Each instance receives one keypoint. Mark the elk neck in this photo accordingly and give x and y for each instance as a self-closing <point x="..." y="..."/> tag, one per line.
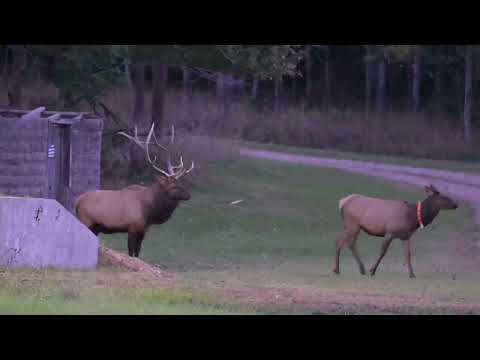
<point x="428" y="212"/>
<point x="161" y="206"/>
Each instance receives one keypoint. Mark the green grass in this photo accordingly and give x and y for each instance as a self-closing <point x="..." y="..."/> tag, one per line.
<point x="27" y="294"/>
<point x="281" y="236"/>
<point x="462" y="166"/>
<point x="284" y="233"/>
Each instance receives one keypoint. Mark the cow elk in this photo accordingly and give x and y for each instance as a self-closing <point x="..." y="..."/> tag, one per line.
<point x="135" y="208"/>
<point x="388" y="219"/>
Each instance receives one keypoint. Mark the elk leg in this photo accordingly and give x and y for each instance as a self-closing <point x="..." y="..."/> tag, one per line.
<point x="138" y="244"/>
<point x="341" y="241"/>
<point x="353" y="248"/>
<point x="385" y="245"/>
<point x="132" y="243"/>
<point x="408" y="256"/>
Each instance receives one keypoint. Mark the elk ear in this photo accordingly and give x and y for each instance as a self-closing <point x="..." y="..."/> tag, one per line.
<point x="428" y="189"/>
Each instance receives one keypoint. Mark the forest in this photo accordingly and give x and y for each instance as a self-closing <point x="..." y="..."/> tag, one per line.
<point x="402" y="100"/>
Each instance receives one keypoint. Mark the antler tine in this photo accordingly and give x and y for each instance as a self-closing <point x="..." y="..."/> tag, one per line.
<point x="179" y="166"/>
<point x="150" y="133"/>
<point x="189" y="170"/>
<point x="134" y="139"/>
<point x="149" y="136"/>
<point x="172" y="168"/>
<point x="184" y="172"/>
<point x="169" y="160"/>
<point x="158" y="144"/>
<point x="144" y="146"/>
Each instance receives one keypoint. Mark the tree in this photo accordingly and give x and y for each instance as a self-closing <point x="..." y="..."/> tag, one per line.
<point x="15" y="71"/>
<point x="137" y="79"/>
<point x="382" y="80"/>
<point x="82" y="73"/>
<point x="264" y="61"/>
<point x="467" y="112"/>
<point x="308" y="74"/>
<point x="369" y="62"/>
<point x="327" y="91"/>
<point x="277" y="83"/>
<point x="417" y="77"/>
<point x="254" y="93"/>
<point x="186" y="79"/>
<point x="160" y="79"/>
<point x="440" y="61"/>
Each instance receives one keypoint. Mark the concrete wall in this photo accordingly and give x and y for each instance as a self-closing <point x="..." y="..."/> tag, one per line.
<point x="86" y="156"/>
<point x="23" y="157"/>
<point x="40" y="232"/>
<point x="24" y="162"/>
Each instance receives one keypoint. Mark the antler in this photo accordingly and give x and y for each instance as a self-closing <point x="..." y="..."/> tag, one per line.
<point x="144" y="145"/>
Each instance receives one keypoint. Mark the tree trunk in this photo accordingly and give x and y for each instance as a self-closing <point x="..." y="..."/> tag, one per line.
<point x="242" y="80"/>
<point x="137" y="80"/>
<point x="3" y="59"/>
<point x="467" y="115"/>
<point x="220" y="91"/>
<point x="417" y="78"/>
<point x="382" y="84"/>
<point x="160" y="79"/>
<point x="277" y="90"/>
<point x="17" y="64"/>
<point x="368" y="80"/>
<point x="223" y="103"/>
<point x="128" y="73"/>
<point x="187" y="89"/>
<point x="308" y="74"/>
<point x="137" y="77"/>
<point x="327" y="95"/>
<point x="186" y="77"/>
<point x="254" y="88"/>
<point x="294" y="89"/>
<point x="439" y="85"/>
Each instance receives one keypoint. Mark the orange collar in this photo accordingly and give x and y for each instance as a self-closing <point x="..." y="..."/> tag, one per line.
<point x="419" y="214"/>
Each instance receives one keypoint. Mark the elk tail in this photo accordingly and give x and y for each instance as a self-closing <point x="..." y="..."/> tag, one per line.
<point x="342" y="202"/>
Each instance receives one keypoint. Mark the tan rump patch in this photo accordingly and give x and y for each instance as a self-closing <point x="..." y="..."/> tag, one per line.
<point x="344" y="200"/>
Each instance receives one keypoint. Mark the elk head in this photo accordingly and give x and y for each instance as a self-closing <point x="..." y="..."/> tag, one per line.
<point x="168" y="179"/>
<point x="438" y="200"/>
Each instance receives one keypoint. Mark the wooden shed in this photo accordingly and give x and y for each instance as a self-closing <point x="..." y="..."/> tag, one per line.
<point x="49" y="154"/>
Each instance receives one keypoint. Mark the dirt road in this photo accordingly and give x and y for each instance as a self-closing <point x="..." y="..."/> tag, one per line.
<point x="462" y="186"/>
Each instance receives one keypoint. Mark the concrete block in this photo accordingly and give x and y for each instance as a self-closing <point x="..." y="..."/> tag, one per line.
<point x="38" y="233"/>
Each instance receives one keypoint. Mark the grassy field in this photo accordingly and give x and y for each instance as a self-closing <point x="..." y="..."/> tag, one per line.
<point x="463" y="166"/>
<point x="283" y="234"/>
<point x="279" y="239"/>
<point x="102" y="292"/>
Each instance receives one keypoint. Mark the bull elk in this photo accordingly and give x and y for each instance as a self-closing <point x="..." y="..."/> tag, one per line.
<point x="388" y="219"/>
<point x="135" y="208"/>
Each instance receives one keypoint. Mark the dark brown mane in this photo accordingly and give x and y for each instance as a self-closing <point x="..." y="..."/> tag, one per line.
<point x="162" y="206"/>
<point x="429" y="211"/>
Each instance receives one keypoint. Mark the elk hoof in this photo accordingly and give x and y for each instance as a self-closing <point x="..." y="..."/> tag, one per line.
<point x="336" y="271"/>
<point x="362" y="272"/>
<point x="412" y="276"/>
<point x="372" y="272"/>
